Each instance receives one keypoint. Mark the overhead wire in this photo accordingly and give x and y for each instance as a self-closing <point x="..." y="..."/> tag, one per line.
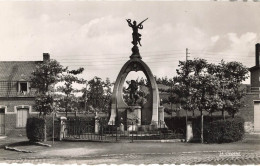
<point x="152" y="59"/>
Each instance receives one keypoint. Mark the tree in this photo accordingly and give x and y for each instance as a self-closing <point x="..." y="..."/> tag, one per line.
<point x="209" y="87"/>
<point x="107" y="95"/>
<point x="231" y="75"/>
<point x="98" y="95"/>
<point x="70" y="103"/>
<point x="195" y="87"/>
<point x="46" y="75"/>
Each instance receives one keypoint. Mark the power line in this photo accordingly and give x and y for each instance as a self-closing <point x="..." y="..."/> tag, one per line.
<point x="125" y="53"/>
<point x="149" y="57"/>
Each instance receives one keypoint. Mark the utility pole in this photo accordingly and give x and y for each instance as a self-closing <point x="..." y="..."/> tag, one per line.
<point x="171" y="93"/>
<point x="85" y="106"/>
<point x="187" y="55"/>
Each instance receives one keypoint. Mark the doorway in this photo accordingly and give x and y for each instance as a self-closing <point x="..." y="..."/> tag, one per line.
<point x="2" y="121"/>
<point x="256" y="116"/>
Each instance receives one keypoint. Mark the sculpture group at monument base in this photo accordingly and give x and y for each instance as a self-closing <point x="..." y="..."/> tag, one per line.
<point x="131" y="119"/>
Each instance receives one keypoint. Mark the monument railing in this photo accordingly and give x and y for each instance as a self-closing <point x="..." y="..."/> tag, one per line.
<point x="101" y="131"/>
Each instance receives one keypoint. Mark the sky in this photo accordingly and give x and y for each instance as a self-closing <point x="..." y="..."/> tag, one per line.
<point x="96" y="36"/>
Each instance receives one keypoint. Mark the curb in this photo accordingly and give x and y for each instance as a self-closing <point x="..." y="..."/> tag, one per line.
<point x="18" y="150"/>
<point x="7" y="147"/>
<point x="41" y="144"/>
<point x="86" y="140"/>
<point x="124" y="141"/>
<point x="161" y="141"/>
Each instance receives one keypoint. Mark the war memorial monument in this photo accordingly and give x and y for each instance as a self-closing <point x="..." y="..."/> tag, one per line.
<point x="151" y="113"/>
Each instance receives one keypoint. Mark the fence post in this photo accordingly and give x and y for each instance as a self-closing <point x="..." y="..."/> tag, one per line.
<point x="186" y="121"/>
<point x="201" y="128"/>
<point x="116" y="132"/>
<point x="101" y="130"/>
<point x="132" y="131"/>
<point x="53" y="128"/>
<point x="112" y="129"/>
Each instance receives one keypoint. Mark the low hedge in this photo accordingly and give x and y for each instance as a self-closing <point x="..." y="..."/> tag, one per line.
<point x="176" y="124"/>
<point x="35" y="129"/>
<point x="217" y="130"/>
<point x="222" y="131"/>
<point x="196" y="125"/>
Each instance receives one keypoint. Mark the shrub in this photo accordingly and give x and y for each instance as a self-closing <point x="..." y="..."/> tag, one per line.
<point x="217" y="130"/>
<point x="196" y="125"/>
<point x="35" y="129"/>
<point x="176" y="124"/>
<point x="221" y="131"/>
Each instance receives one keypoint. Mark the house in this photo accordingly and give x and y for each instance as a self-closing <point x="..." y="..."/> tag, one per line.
<point x="255" y="89"/>
<point x="16" y="95"/>
<point x="251" y="110"/>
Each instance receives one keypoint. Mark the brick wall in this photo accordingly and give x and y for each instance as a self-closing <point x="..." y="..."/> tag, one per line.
<point x="255" y="78"/>
<point x="247" y="112"/>
<point x="11" y="102"/>
<point x="11" y="130"/>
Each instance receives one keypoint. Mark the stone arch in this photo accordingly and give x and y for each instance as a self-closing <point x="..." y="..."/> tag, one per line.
<point x="150" y="109"/>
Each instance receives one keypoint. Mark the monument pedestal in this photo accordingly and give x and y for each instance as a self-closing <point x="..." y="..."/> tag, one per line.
<point x="133" y="115"/>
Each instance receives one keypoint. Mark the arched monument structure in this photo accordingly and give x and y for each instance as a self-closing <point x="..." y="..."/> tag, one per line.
<point x="151" y="111"/>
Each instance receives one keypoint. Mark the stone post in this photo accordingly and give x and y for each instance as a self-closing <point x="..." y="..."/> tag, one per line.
<point x="96" y="125"/>
<point x="122" y="127"/>
<point x="189" y="134"/>
<point x="161" y="123"/>
<point x="63" y="133"/>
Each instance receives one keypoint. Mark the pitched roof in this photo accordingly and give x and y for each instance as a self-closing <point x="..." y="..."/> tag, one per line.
<point x="254" y="68"/>
<point x="17" y="70"/>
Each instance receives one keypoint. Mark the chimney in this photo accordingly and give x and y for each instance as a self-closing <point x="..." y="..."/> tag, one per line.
<point x="257" y="50"/>
<point x="46" y="57"/>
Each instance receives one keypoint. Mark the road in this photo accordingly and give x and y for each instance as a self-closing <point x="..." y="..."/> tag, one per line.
<point x="149" y="158"/>
<point x="243" y="152"/>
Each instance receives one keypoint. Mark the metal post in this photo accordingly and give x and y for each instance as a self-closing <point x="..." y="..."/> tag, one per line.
<point x="132" y="132"/>
<point x="52" y="128"/>
<point x="85" y="104"/>
<point x="101" y="130"/>
<point x="112" y="129"/>
<point x="186" y="140"/>
<point x="116" y="132"/>
<point x="201" y="128"/>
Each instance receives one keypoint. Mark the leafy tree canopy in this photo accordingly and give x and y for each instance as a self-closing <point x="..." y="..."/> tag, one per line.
<point x="46" y="75"/>
<point x="69" y="102"/>
<point x="98" y="95"/>
<point x="207" y="87"/>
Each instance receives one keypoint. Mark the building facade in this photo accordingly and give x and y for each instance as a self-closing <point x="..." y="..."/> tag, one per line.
<point x="255" y="89"/>
<point x="16" y="95"/>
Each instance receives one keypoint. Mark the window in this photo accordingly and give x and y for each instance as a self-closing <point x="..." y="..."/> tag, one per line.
<point x="22" y="115"/>
<point x="23" y="87"/>
<point x="2" y="110"/>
